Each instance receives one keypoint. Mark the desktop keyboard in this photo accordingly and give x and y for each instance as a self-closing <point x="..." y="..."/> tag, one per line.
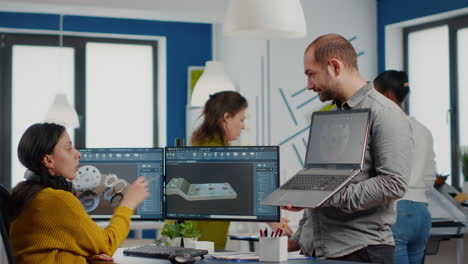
<point x="154" y="251"/>
<point x="313" y="182"/>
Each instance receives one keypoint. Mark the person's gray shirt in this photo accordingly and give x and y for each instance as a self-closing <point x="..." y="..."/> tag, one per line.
<point x="361" y="213"/>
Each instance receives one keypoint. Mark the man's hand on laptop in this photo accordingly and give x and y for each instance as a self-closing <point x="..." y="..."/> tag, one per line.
<point x="292" y="208"/>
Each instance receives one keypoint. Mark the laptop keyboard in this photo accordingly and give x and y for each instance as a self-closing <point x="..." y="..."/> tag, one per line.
<point x="154" y="251"/>
<point x="314" y="182"/>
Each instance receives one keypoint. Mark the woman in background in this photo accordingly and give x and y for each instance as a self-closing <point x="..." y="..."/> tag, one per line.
<point x="49" y="224"/>
<point x="413" y="224"/>
<point x="223" y="121"/>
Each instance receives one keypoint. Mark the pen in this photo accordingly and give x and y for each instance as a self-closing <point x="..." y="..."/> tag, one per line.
<point x="266" y="232"/>
<point x="277" y="231"/>
<point x="283" y="226"/>
<point x="272" y="233"/>
<point x="261" y="233"/>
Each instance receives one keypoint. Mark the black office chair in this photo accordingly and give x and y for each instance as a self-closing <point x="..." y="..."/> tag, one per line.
<point x="5" y="227"/>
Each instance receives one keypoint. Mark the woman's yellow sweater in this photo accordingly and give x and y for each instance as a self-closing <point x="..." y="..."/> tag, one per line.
<point x="55" y="228"/>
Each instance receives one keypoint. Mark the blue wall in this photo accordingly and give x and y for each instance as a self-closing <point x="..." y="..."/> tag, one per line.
<point x="393" y="11"/>
<point x="188" y="44"/>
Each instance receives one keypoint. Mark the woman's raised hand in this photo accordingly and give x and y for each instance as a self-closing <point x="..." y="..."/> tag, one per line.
<point x="136" y="193"/>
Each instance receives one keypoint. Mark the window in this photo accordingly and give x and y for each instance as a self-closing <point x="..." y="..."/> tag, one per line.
<point x="38" y="73"/>
<point x="435" y="59"/>
<point x="462" y="36"/>
<point x="119" y="81"/>
<point x="111" y="82"/>
<point x="428" y="56"/>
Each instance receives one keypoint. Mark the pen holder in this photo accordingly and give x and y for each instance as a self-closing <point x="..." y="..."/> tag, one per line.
<point x="273" y="249"/>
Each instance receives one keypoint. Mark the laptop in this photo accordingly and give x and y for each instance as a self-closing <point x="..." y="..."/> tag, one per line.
<point x="335" y="154"/>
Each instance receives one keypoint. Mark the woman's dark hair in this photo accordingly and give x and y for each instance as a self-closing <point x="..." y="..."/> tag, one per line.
<point x="37" y="141"/>
<point x="394" y="81"/>
<point x="219" y="103"/>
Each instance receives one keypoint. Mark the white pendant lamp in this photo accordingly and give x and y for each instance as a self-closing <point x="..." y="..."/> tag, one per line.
<point x="61" y="112"/>
<point x="213" y="80"/>
<point x="265" y="19"/>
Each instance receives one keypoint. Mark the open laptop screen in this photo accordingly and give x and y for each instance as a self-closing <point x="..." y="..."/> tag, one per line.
<point x="337" y="137"/>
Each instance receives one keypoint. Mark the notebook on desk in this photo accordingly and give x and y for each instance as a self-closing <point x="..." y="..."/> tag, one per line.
<point x="334" y="155"/>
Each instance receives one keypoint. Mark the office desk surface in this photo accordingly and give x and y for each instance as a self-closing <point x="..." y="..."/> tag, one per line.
<point x="121" y="259"/>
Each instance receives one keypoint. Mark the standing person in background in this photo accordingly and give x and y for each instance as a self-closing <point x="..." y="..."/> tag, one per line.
<point x="49" y="224"/>
<point x="328" y="107"/>
<point x="223" y="121"/>
<point x="413" y="225"/>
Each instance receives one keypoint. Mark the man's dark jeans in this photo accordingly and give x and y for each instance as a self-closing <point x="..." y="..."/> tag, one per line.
<point x="382" y="254"/>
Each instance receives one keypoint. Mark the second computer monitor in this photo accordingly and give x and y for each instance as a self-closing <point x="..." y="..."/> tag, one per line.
<point x="104" y="175"/>
<point x="221" y="183"/>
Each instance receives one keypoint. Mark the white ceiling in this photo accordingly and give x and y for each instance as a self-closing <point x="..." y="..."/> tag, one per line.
<point x="210" y="11"/>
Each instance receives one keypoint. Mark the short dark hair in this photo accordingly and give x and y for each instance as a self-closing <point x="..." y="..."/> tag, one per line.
<point x="394" y="81"/>
<point x="334" y="46"/>
<point x="230" y="102"/>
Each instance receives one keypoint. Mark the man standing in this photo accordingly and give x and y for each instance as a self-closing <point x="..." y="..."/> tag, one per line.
<point x="354" y="224"/>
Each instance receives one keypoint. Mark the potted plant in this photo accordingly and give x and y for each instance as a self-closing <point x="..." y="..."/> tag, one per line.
<point x="189" y="233"/>
<point x="173" y="233"/>
<point x="464" y="163"/>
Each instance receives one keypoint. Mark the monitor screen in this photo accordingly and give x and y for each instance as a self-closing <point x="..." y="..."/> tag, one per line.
<point x="221" y="183"/>
<point x="104" y="175"/>
<point x="337" y="137"/>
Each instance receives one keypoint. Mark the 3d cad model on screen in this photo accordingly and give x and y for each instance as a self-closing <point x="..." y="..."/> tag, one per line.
<point x="200" y="192"/>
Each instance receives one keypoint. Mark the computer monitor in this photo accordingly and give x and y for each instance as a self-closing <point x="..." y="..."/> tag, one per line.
<point x="221" y="183"/>
<point x="104" y="175"/>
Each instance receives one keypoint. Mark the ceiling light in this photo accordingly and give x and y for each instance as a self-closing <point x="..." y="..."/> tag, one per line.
<point x="213" y="80"/>
<point x="265" y="19"/>
<point x="61" y="112"/>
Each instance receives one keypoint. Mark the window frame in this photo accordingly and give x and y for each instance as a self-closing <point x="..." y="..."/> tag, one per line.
<point x="454" y="24"/>
<point x="7" y="40"/>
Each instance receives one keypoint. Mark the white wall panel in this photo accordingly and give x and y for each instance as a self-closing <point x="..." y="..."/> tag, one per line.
<point x="270" y="74"/>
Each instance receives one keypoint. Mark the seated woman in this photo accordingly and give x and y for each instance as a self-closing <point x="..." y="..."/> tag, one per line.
<point x="49" y="224"/>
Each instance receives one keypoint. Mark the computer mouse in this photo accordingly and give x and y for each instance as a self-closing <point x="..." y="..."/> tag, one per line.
<point x="181" y="260"/>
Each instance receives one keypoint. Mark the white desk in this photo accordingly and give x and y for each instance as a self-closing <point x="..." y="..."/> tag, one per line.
<point x="121" y="259"/>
